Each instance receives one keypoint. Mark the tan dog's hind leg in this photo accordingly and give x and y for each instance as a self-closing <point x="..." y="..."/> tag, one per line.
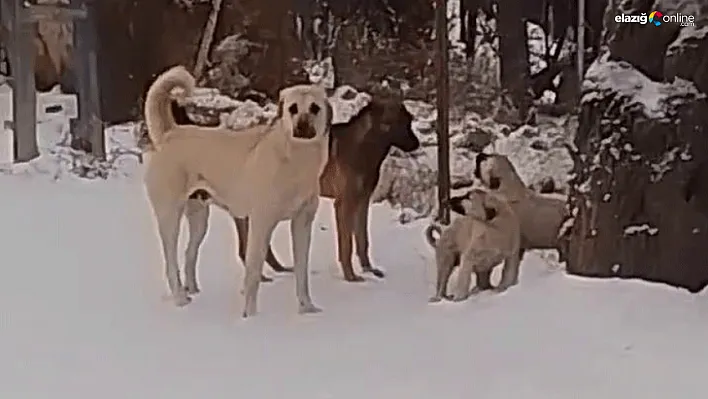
<point x="345" y="214"/>
<point x="259" y="235"/>
<point x="197" y="215"/>
<point x="301" y="236"/>
<point x="361" y="238"/>
<point x="168" y="220"/>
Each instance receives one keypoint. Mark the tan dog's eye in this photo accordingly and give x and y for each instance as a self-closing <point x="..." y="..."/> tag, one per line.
<point x="314" y="109"/>
<point x="292" y="109"/>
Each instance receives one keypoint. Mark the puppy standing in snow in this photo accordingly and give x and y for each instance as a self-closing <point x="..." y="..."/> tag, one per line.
<point x="267" y="173"/>
<point x="486" y="236"/>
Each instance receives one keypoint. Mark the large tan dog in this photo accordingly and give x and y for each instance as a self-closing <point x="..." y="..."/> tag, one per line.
<point x="482" y="239"/>
<point x="267" y="173"/>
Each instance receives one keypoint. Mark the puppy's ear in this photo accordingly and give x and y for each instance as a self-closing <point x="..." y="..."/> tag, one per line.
<point x="455" y="204"/>
<point x="494" y="182"/>
<point x="489" y="213"/>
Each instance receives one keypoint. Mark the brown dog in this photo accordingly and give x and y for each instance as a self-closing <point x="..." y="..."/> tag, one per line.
<point x="358" y="149"/>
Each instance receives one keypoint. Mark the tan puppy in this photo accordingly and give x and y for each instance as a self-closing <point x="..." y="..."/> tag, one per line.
<point x="541" y="215"/>
<point x="267" y="173"/>
<point x="487" y="236"/>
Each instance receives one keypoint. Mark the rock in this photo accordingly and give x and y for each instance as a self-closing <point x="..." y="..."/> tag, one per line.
<point x="687" y="56"/>
<point x="635" y="213"/>
<point x="406" y="181"/>
<point x="474" y="139"/>
<point x="541" y="156"/>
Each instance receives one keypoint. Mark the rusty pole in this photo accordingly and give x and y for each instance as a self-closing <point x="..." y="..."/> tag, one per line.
<point x="443" y="93"/>
<point x="581" y="44"/>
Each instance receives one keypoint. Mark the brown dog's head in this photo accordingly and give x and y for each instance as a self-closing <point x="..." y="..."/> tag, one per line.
<point x="305" y="111"/>
<point x="394" y="120"/>
<point x="497" y="173"/>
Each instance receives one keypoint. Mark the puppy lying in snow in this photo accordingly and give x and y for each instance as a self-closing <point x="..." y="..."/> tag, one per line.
<point x="486" y="236"/>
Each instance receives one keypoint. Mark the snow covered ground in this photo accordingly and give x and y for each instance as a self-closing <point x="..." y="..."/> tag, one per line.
<point x="83" y="315"/>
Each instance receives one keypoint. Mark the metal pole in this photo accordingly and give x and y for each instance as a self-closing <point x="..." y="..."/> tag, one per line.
<point x="443" y="112"/>
<point x="581" y="43"/>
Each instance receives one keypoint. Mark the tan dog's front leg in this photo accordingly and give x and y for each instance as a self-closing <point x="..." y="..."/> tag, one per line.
<point x="345" y="211"/>
<point x="301" y="236"/>
<point x="259" y="234"/>
<point x="361" y="235"/>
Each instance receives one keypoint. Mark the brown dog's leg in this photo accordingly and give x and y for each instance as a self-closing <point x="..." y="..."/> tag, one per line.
<point x="345" y="213"/>
<point x="242" y="235"/>
<point x="484" y="281"/>
<point x="361" y="237"/>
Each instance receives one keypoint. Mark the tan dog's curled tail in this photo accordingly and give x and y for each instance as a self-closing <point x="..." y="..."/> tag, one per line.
<point x="158" y="113"/>
<point x="430" y="237"/>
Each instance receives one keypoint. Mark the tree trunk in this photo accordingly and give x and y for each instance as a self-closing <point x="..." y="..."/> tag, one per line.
<point x="514" y="55"/>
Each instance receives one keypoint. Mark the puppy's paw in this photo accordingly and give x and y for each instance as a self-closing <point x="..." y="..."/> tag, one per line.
<point x="354" y="278"/>
<point x="192" y="289"/>
<point x="459" y="297"/>
<point x="308" y="308"/>
<point x="181" y="299"/>
<point x="501" y="288"/>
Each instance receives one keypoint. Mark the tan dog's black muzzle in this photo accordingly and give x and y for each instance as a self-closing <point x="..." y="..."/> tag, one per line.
<point x="304" y="130"/>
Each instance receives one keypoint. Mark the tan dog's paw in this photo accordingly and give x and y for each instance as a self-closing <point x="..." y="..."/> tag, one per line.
<point x="308" y="308"/>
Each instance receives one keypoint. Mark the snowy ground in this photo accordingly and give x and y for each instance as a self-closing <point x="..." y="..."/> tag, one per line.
<point x="83" y="315"/>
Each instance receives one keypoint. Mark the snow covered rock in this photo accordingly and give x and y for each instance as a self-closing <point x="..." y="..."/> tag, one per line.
<point x="640" y="161"/>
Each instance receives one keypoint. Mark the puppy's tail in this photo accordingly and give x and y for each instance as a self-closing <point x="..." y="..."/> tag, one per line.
<point x="158" y="109"/>
<point x="430" y="237"/>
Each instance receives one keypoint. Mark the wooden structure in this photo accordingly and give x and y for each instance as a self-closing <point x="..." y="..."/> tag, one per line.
<point x="18" y="20"/>
<point x="443" y="99"/>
